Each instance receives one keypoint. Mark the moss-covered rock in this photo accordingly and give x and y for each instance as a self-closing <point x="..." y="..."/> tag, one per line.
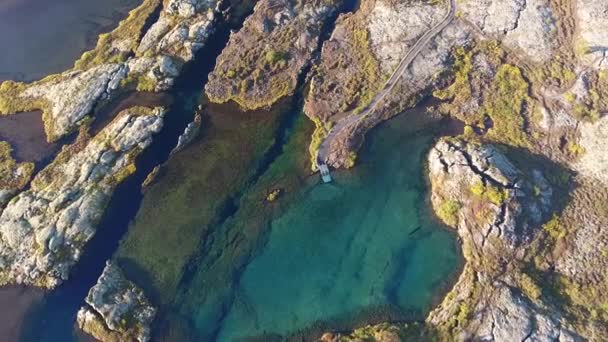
<point x="116" y="310"/>
<point x="44" y="229"/>
<point x="14" y="176"/>
<point x="263" y="61"/>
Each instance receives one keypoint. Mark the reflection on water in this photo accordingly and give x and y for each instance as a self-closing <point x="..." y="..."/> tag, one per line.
<point x="40" y="37"/>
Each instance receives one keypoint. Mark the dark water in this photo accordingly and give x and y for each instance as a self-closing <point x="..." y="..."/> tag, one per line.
<point x="15" y="301"/>
<point x="41" y="37"/>
<point x="25" y="133"/>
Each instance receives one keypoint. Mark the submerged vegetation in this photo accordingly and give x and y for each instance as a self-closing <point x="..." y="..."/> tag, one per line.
<point x="181" y="207"/>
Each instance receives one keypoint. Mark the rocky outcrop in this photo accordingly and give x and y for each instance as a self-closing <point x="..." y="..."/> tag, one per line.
<point x="477" y="189"/>
<point x="593" y="25"/>
<point x="116" y="310"/>
<point x="355" y="63"/>
<point x="526" y="25"/>
<point x="44" y="229"/>
<point x="263" y="61"/>
<point x="497" y="210"/>
<point x="151" y="62"/>
<point x="14" y="176"/>
<point x="190" y="134"/>
<point x="71" y="96"/>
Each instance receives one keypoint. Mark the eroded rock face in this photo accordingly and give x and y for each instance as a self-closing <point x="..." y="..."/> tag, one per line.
<point x="491" y="198"/>
<point x="394" y="27"/>
<point x="593" y="25"/>
<point x="509" y="316"/>
<point x="116" y="310"/>
<point x="528" y="25"/>
<point x="262" y="62"/>
<point x="497" y="210"/>
<point x="72" y="96"/>
<point x="181" y="30"/>
<point x="44" y="229"/>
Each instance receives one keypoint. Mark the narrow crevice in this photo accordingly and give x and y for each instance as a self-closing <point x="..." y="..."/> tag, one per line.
<point x="484" y="176"/>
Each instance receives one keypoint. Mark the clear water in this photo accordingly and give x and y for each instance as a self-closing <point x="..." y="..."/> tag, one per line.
<point x="349" y="251"/>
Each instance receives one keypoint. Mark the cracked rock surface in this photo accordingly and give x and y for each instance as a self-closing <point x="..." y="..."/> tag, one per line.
<point x="73" y="95"/>
<point x="44" y="229"/>
<point x="116" y="310"/>
<point x="594" y="163"/>
<point x="527" y="25"/>
<point x="494" y="200"/>
<point x="478" y="191"/>
<point x="262" y="61"/>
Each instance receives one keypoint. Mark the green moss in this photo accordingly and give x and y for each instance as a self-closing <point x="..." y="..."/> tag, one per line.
<point x="128" y="32"/>
<point x="146" y="83"/>
<point x="12" y="102"/>
<point x="369" y="71"/>
<point x="351" y="160"/>
<point x="505" y="98"/>
<point x="554" y="228"/>
<point x="505" y="105"/>
<point x="574" y="149"/>
<point x="528" y="286"/>
<point x="463" y="314"/>
<point x="139" y="82"/>
<point x="9" y="167"/>
<point x="459" y="91"/>
<point x="489" y="193"/>
<point x="273" y="195"/>
<point x="320" y="132"/>
<point x="448" y="211"/>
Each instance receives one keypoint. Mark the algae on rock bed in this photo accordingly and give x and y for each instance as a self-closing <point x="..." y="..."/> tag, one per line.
<point x="196" y="186"/>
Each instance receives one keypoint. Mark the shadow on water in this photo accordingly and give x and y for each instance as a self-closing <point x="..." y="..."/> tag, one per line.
<point x="54" y="319"/>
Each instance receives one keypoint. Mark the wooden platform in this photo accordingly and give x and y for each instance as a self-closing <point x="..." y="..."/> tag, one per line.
<point x="325" y="173"/>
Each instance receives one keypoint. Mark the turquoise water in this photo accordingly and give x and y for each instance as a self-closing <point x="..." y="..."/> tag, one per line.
<point x="351" y="251"/>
